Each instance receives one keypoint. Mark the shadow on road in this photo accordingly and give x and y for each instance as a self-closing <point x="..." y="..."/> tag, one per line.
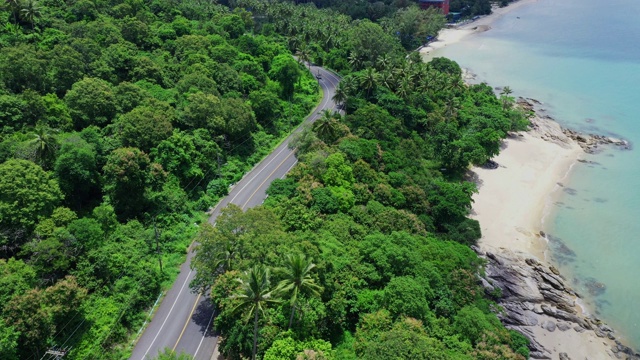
<point x="202" y="316"/>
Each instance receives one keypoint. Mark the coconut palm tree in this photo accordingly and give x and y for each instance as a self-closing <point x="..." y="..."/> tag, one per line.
<point x="507" y="100"/>
<point x="29" y="11"/>
<point x="14" y="7"/>
<point x="304" y="54"/>
<point x="43" y="145"/>
<point x="340" y="97"/>
<point x="369" y="80"/>
<point x="326" y="127"/>
<point x="355" y="60"/>
<point x="297" y="280"/>
<point x="254" y="294"/>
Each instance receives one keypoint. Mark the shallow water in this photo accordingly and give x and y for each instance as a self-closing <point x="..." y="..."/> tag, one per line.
<point x="581" y="58"/>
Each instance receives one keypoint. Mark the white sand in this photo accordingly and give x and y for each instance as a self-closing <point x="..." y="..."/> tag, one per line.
<point x="510" y="205"/>
<point x="512" y="198"/>
<point x="511" y="201"/>
<point x="450" y="36"/>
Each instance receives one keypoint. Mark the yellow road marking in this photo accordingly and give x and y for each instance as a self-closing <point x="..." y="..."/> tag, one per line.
<point x="265" y="179"/>
<point x="186" y="323"/>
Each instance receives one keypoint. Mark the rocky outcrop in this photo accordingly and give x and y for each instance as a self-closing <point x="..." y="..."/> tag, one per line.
<point x="592" y="143"/>
<point x="546" y="128"/>
<point x="533" y="294"/>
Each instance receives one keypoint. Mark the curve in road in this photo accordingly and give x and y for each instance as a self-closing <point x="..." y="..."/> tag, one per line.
<point x="183" y="321"/>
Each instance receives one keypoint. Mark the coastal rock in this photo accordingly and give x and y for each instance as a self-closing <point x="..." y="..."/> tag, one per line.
<point x="532" y="294"/>
<point x="552" y="279"/>
<point x="515" y="315"/>
<point x="606" y="328"/>
<point x="550" y="326"/>
<point x="537" y="351"/>
<point x="590" y="143"/>
<point x="563" y="356"/>
<point x="563" y="315"/>
<point x="516" y="282"/>
<point x="559" y="299"/>
<point x="488" y="288"/>
<point x="538" y="355"/>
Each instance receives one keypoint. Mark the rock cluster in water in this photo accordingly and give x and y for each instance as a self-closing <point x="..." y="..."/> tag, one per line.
<point x="533" y="294"/>
<point x="590" y="143"/>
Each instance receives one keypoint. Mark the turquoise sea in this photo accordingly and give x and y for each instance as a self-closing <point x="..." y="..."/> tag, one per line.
<point x="581" y="58"/>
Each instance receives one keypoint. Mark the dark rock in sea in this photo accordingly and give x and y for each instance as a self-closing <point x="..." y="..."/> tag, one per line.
<point x="604" y="327"/>
<point x="559" y="247"/>
<point x="600" y="200"/>
<point x="570" y="191"/>
<point x="594" y="287"/>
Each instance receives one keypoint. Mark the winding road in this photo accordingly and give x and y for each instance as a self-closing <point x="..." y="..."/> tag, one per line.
<point x="183" y="321"/>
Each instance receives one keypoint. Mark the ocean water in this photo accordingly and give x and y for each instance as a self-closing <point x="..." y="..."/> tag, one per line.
<point x="581" y="59"/>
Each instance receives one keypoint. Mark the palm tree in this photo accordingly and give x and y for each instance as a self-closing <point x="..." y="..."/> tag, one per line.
<point x="30" y="10"/>
<point x="297" y="280"/>
<point x="14" y="7"/>
<point x="506" y="99"/>
<point x="369" y="80"/>
<point x="304" y="54"/>
<point x="326" y="126"/>
<point x="254" y="294"/>
<point x="340" y="97"/>
<point x="383" y="62"/>
<point x="355" y="60"/>
<point x="43" y="144"/>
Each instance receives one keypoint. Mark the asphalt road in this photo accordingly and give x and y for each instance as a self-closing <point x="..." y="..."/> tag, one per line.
<point x="183" y="321"/>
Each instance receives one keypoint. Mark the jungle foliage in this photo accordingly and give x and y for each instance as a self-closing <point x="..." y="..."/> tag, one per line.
<point x="370" y="228"/>
<point x="121" y="122"/>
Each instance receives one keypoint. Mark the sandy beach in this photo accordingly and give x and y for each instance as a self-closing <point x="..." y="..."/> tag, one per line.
<point x="453" y="35"/>
<point x="510" y="206"/>
<point x="512" y="199"/>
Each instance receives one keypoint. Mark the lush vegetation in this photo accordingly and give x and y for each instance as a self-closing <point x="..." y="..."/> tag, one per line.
<point x="121" y="123"/>
<point x="376" y="10"/>
<point x="364" y="248"/>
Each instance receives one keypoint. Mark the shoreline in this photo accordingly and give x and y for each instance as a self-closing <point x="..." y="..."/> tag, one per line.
<point x="512" y="205"/>
<point x="450" y="36"/>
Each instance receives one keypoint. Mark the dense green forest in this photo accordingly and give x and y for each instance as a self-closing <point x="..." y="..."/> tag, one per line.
<point x="378" y="9"/>
<point x="122" y="122"/>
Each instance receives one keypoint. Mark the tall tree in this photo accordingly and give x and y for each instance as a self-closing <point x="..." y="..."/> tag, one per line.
<point x="43" y="145"/>
<point x="326" y="126"/>
<point x="254" y="294"/>
<point x="27" y="193"/>
<point x="297" y="280"/>
<point x="29" y="11"/>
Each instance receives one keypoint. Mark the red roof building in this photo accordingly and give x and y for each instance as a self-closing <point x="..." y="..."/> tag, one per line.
<point x="440" y="4"/>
